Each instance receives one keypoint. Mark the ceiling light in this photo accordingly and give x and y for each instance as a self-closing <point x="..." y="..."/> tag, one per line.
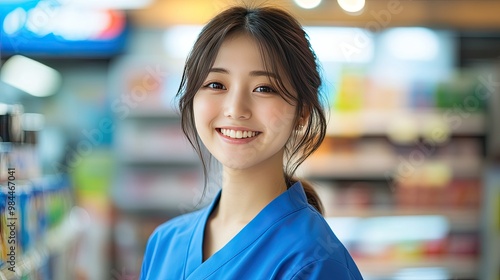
<point x="352" y="6"/>
<point x="341" y="44"/>
<point x="30" y="76"/>
<point x="308" y="4"/>
<point x="178" y="40"/>
<point x="412" y="43"/>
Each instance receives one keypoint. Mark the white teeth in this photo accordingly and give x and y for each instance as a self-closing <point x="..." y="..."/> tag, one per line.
<point x="238" y="134"/>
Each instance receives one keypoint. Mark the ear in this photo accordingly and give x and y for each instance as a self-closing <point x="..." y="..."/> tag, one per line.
<point x="303" y="119"/>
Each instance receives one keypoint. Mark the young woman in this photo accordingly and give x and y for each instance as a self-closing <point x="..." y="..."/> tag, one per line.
<point x="249" y="95"/>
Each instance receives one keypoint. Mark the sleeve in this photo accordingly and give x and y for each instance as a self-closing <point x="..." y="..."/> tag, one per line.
<point x="148" y="255"/>
<point x="326" y="269"/>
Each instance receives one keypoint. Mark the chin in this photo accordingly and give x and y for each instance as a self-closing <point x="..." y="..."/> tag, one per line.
<point x="236" y="164"/>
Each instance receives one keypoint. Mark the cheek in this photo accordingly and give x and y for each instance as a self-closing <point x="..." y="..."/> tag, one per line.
<point x="281" y="117"/>
<point x="203" y="111"/>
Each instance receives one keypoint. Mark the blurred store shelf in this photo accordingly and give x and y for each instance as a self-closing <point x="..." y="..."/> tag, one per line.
<point x="154" y="113"/>
<point x="381" y="122"/>
<point x="178" y="202"/>
<point x="56" y="241"/>
<point x="459" y="219"/>
<point x="159" y="159"/>
<point x="455" y="267"/>
<point x="381" y="166"/>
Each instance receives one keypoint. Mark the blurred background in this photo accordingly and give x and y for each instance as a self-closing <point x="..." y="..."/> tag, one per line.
<point x="92" y="156"/>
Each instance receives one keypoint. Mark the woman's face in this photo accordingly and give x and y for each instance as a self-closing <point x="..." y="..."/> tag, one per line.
<point x="242" y="120"/>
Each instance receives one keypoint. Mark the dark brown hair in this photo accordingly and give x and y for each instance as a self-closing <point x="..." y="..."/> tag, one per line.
<point x="286" y="50"/>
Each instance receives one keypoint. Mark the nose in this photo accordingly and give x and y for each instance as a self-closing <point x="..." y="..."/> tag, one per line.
<point x="237" y="105"/>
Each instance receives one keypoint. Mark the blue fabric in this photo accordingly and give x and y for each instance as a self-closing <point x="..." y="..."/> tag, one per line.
<point x="288" y="239"/>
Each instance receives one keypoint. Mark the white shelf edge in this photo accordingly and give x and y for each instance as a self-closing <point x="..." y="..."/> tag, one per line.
<point x="459" y="218"/>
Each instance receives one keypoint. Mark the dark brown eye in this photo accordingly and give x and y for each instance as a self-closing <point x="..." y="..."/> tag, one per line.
<point x="215" y="85"/>
<point x="264" y="89"/>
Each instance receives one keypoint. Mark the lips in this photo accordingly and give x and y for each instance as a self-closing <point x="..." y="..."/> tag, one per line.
<point x="237" y="133"/>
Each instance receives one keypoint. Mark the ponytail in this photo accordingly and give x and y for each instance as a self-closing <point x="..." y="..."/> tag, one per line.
<point x="312" y="196"/>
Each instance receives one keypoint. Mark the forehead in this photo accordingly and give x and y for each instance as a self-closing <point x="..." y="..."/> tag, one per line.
<point x="240" y="50"/>
<point x="243" y="51"/>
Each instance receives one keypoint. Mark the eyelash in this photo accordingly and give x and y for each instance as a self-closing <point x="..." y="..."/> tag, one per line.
<point x="219" y="86"/>
<point x="268" y="89"/>
<point x="215" y="85"/>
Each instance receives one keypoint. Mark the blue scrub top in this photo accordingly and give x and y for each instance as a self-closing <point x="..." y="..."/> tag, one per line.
<point x="288" y="239"/>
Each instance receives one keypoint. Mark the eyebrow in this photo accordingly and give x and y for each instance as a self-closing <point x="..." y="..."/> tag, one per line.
<point x="255" y="73"/>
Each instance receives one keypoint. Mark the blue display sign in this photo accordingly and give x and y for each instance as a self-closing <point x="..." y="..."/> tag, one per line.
<point x="60" y="28"/>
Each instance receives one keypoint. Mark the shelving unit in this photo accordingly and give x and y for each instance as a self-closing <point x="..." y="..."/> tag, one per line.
<point x="47" y="230"/>
<point x="38" y="228"/>
<point x="361" y="175"/>
<point x="491" y="225"/>
<point x="460" y="268"/>
<point x="404" y="160"/>
<point x="490" y="218"/>
<point x="159" y="175"/>
<point x="57" y="241"/>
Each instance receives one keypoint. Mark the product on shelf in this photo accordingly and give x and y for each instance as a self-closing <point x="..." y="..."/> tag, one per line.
<point x="41" y="206"/>
<point x="31" y="205"/>
<point x="18" y="142"/>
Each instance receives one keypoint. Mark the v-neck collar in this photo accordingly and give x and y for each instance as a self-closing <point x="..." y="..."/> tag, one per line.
<point x="288" y="202"/>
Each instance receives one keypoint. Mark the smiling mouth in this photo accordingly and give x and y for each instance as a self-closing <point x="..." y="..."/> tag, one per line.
<point x="237" y="134"/>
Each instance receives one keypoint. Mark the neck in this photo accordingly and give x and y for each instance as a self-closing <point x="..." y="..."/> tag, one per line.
<point x="246" y="192"/>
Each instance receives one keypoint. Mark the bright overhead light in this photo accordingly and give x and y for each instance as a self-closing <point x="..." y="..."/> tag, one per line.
<point x="308" y="4"/>
<point x="352" y="6"/>
<point x="412" y="43"/>
<point x="178" y="40"/>
<point x="30" y="76"/>
<point x="68" y="21"/>
<point x="341" y="44"/>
